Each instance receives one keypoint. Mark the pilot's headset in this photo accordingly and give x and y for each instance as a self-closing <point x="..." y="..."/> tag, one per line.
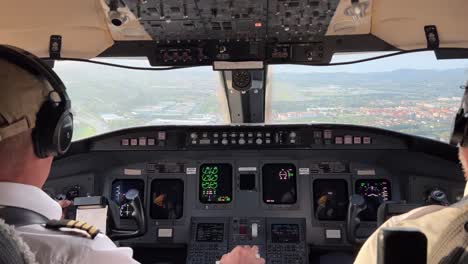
<point x="53" y="132"/>
<point x="460" y="127"/>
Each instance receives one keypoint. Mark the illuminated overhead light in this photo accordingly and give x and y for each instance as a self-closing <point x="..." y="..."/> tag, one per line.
<point x="357" y="9"/>
<point x="117" y="18"/>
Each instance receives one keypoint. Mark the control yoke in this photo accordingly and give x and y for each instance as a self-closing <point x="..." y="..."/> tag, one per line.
<point x="357" y="204"/>
<point x="138" y="215"/>
<point x="437" y="197"/>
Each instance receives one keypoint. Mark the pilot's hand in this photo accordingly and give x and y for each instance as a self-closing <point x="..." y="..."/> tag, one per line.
<point x="64" y="204"/>
<point x="242" y="255"/>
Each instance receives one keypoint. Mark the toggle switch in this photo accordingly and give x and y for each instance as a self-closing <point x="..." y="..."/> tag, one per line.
<point x="254" y="230"/>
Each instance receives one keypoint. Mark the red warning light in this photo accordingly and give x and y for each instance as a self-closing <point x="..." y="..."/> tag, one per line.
<point x="258" y="24"/>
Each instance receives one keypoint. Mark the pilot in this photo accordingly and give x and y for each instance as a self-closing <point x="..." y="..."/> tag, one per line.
<point x="434" y="221"/>
<point x="23" y="172"/>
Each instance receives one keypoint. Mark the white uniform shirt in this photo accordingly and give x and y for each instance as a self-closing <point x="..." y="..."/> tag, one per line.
<point x="57" y="247"/>
<point x="431" y="220"/>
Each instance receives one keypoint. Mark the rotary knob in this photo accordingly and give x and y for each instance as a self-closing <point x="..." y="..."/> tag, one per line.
<point x="259" y="141"/>
<point x="224" y="141"/>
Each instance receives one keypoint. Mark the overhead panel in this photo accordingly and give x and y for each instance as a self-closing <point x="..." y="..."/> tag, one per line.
<point x="187" y="32"/>
<point x="228" y="20"/>
<point x="185" y="20"/>
<point x="299" y="21"/>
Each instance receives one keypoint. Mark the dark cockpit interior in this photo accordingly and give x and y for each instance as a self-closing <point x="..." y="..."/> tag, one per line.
<point x="286" y="188"/>
<point x="303" y="192"/>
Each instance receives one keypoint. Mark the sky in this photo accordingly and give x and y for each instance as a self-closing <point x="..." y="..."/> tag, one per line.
<point x="419" y="60"/>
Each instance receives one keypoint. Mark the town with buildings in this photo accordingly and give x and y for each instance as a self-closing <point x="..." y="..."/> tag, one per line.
<point x="417" y="102"/>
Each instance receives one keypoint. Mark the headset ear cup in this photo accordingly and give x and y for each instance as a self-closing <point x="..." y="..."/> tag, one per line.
<point x="63" y="134"/>
<point x="46" y="123"/>
<point x="54" y="130"/>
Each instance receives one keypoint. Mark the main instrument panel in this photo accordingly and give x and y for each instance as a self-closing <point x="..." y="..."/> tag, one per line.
<point x="287" y="191"/>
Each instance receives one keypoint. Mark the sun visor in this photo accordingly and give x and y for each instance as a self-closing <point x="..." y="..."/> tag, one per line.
<point x="401" y="23"/>
<point x="82" y="25"/>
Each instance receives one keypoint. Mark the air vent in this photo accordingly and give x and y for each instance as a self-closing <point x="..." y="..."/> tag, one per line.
<point x="227" y="26"/>
<point x="293" y="4"/>
<point x="314" y="3"/>
<point x="189" y="25"/>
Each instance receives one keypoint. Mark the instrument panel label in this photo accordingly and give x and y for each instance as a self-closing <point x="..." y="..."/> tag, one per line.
<point x="191" y="171"/>
<point x="247" y="169"/>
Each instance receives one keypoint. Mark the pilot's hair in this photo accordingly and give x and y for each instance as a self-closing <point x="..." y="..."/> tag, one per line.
<point x="22" y="94"/>
<point x="16" y="150"/>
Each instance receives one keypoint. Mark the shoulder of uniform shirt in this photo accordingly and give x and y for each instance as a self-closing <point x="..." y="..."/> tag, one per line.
<point x="68" y="226"/>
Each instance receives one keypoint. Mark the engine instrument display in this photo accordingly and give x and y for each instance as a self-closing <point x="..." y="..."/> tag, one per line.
<point x="167" y="199"/>
<point x="215" y="183"/>
<point x="330" y="199"/>
<point x="285" y="233"/>
<point x="375" y="192"/>
<point x="210" y="232"/>
<point x="279" y="183"/>
<point x="123" y="191"/>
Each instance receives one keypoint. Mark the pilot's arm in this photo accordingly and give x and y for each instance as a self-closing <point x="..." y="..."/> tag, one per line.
<point x="57" y="247"/>
<point x="103" y="250"/>
<point x="368" y="252"/>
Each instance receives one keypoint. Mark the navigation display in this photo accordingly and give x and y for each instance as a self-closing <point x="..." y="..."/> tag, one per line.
<point x="123" y="191"/>
<point x="215" y="183"/>
<point x="279" y="183"/>
<point x="330" y="199"/>
<point x="210" y="232"/>
<point x="167" y="199"/>
<point x="375" y="192"/>
<point x="285" y="233"/>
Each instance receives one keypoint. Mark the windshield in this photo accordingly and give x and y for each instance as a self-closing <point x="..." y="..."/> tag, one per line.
<point x="107" y="98"/>
<point x="413" y="93"/>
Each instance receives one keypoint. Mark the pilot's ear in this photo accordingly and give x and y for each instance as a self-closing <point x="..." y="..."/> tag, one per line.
<point x="463" y="156"/>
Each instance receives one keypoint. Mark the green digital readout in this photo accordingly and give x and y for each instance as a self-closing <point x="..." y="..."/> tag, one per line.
<point x="215" y="183"/>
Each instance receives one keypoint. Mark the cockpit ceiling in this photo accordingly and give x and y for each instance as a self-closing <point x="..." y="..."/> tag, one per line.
<point x="87" y="32"/>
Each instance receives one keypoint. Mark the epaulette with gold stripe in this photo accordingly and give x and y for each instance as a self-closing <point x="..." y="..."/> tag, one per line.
<point x="73" y="224"/>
